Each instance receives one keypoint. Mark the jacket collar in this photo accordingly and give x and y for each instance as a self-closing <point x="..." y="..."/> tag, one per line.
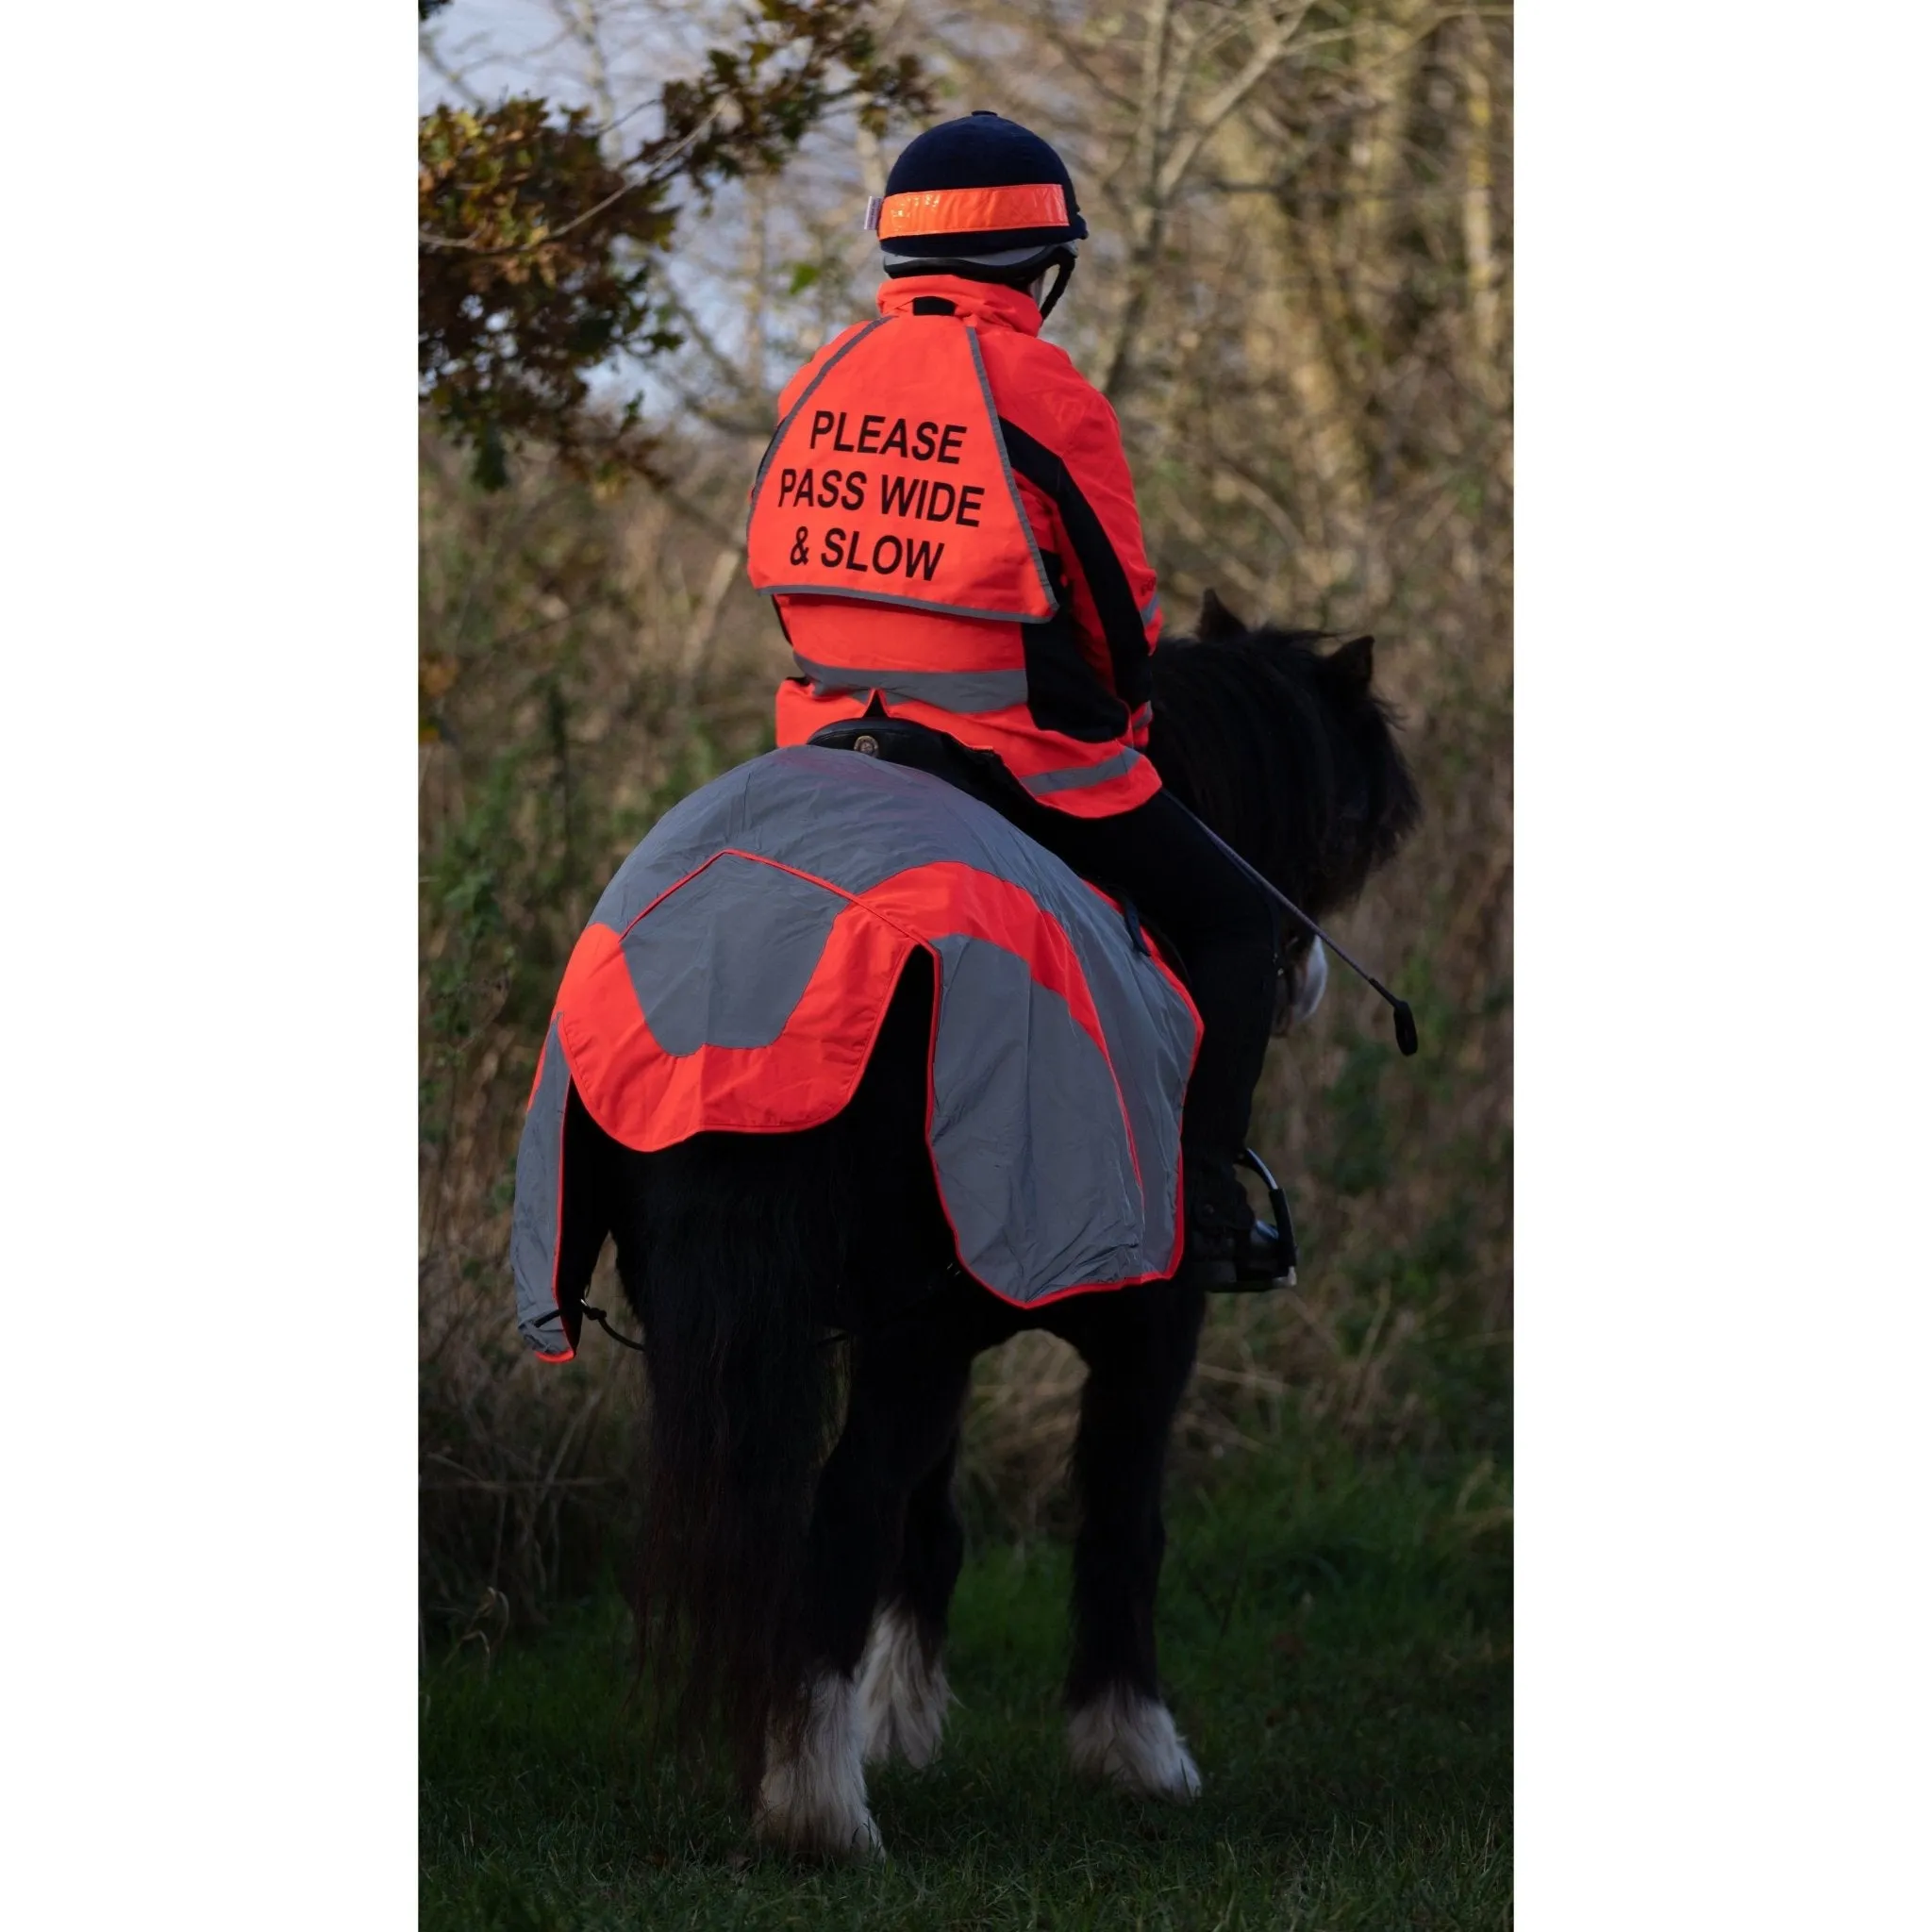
<point x="984" y="303"/>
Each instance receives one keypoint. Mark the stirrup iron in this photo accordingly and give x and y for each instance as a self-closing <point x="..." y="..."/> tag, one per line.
<point x="1284" y="1229"/>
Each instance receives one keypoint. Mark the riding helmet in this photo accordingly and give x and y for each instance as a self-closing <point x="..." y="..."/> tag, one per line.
<point x="981" y="197"/>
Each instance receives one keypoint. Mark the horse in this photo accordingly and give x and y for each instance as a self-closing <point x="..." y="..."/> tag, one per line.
<point x="808" y="1332"/>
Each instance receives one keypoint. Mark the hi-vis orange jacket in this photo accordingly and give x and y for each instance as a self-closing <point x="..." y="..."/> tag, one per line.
<point x="944" y="521"/>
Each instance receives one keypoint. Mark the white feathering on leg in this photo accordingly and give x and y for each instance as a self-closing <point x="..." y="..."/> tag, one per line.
<point x="902" y="1699"/>
<point x="1131" y="1740"/>
<point x="813" y="1801"/>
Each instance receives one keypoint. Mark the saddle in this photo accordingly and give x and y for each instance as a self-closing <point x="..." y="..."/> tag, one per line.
<point x="900" y="741"/>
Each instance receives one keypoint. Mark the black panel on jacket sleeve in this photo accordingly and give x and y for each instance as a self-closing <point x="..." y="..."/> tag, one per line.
<point x="1063" y="693"/>
<point x="1093" y="551"/>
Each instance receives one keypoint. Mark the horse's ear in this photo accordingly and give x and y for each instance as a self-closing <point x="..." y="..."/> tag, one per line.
<point x="1354" y="664"/>
<point x="1217" y="621"/>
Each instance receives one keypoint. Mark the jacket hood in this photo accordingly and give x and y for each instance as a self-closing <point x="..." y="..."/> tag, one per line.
<point x="980" y="302"/>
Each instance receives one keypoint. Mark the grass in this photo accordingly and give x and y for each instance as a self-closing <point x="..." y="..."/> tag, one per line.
<point x="1335" y="1638"/>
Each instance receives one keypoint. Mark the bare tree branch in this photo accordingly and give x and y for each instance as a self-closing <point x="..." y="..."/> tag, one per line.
<point x="1485" y="307"/>
<point x="689" y="325"/>
<point x="1268" y="51"/>
<point x="705" y="619"/>
<point x="581" y="20"/>
<point x="431" y="51"/>
<point x="1163" y="158"/>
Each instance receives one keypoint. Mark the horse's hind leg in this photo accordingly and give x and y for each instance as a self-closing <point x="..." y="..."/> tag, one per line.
<point x="906" y="1389"/>
<point x="902" y="1683"/>
<point x="1139" y="1343"/>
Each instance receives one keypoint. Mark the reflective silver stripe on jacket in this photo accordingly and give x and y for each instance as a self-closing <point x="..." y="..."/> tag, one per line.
<point x="999" y="440"/>
<point x="899" y="603"/>
<point x="1073" y="778"/>
<point x="950" y="690"/>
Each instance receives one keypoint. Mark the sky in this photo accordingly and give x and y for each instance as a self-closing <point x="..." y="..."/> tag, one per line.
<point x="501" y="46"/>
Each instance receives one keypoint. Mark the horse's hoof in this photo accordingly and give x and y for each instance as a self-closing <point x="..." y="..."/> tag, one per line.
<point x="811" y="1802"/>
<point x="839" y="1841"/>
<point x="1129" y="1740"/>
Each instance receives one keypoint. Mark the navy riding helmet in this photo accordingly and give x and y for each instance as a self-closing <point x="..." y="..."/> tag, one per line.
<point x="981" y="197"/>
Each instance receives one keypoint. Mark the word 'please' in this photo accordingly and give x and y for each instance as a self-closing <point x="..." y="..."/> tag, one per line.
<point x="924" y="443"/>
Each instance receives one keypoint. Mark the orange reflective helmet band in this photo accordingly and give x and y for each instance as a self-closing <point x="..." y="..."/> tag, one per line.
<point x="967" y="210"/>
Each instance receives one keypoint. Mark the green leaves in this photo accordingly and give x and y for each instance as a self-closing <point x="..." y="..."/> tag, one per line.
<point x="533" y="261"/>
<point x="536" y="249"/>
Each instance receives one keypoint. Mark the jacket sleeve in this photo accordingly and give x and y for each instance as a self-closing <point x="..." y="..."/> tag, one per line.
<point x="1084" y="472"/>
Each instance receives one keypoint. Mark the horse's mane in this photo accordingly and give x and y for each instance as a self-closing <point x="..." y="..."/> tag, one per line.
<point x="1285" y="751"/>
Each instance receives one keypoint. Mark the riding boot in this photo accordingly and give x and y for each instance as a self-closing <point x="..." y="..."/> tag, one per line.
<point x="1227" y="1242"/>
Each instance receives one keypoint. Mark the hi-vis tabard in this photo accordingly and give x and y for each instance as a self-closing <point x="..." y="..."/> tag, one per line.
<point x="735" y="974"/>
<point x="888" y="482"/>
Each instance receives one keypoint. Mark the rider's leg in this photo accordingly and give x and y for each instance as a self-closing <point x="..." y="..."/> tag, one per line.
<point x="1160" y="855"/>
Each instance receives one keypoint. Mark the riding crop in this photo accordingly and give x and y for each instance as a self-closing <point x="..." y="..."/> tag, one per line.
<point x="1405" y="1020"/>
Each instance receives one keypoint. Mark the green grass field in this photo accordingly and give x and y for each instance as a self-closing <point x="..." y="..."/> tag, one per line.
<point x="1335" y="1639"/>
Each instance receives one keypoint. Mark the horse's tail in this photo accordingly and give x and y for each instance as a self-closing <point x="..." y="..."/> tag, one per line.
<point x="733" y="1251"/>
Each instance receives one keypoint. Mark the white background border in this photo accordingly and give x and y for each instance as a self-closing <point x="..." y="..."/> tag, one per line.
<point x="207" y="795"/>
<point x="208" y="786"/>
<point x="1722" y="1072"/>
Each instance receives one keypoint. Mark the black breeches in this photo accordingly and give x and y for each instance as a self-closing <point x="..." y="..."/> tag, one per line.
<point x="1193" y="894"/>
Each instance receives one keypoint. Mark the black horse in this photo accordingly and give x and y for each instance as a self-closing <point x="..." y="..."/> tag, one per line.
<point x="800" y="1291"/>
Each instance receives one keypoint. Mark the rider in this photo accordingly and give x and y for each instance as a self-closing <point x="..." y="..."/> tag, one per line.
<point x="992" y="585"/>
